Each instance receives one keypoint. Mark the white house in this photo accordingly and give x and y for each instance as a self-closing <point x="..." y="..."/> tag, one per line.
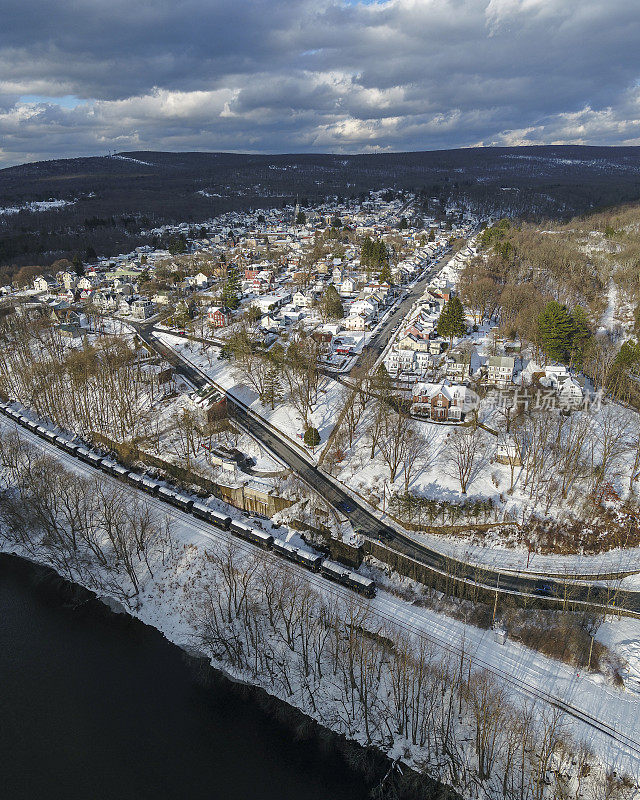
<point x="367" y="307"/>
<point x="500" y="371"/>
<point x="42" y="284"/>
<point x="347" y="287"/>
<point x="356" y="322"/>
<point x="570" y="394"/>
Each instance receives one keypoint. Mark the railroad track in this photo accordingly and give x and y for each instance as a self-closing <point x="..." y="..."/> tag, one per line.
<point x="467" y="657"/>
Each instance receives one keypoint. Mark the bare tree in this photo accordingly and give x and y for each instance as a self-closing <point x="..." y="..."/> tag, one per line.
<point x="465" y="452"/>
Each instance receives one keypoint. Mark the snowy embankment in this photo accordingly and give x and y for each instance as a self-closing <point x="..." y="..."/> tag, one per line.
<point x="284" y="417"/>
<point x="166" y="601"/>
<point x="368" y="477"/>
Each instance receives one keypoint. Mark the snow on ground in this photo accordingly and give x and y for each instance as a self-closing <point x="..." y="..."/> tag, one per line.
<point x="608" y="318"/>
<point x="522" y="668"/>
<point x="370" y="478"/>
<point x="133" y="160"/>
<point x="35" y="206"/>
<point x="284" y="416"/>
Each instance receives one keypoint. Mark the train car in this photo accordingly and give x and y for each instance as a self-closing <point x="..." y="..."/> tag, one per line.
<point x="285" y="549"/>
<point x="29" y="423"/>
<point x="182" y="501"/>
<point x="50" y="435"/>
<point x="201" y="511"/>
<point x="150" y="485"/>
<point x="238" y="527"/>
<point x="108" y="466"/>
<point x="135" y="479"/>
<point x="260" y="538"/>
<point x="309" y="560"/>
<point x="83" y="454"/>
<point x="94" y="459"/>
<point x="167" y="494"/>
<point x="41" y="431"/>
<point x="334" y="572"/>
<point x="70" y="447"/>
<point x="120" y="472"/>
<point x="220" y="520"/>
<point x="360" y="584"/>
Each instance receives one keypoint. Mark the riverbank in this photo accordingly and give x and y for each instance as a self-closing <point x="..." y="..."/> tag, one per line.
<point x="368" y="766"/>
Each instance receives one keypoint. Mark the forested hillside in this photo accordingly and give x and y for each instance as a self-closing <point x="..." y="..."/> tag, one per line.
<point x="106" y="204"/>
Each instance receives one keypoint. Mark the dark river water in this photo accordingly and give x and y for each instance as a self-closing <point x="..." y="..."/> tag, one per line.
<point x="96" y="707"/>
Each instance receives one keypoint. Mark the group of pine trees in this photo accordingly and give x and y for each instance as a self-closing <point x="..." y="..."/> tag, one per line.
<point x="564" y="333"/>
<point x="374" y="253"/>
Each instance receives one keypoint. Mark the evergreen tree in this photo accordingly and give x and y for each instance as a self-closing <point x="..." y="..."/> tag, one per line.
<point x="385" y="274"/>
<point x="380" y="383"/>
<point x="77" y="264"/>
<point x="432" y="235"/>
<point x="311" y="437"/>
<point x="177" y="244"/>
<point x="331" y="304"/>
<point x="403" y="224"/>
<point x="556" y="328"/>
<point x="451" y="320"/>
<point x="272" y="391"/>
<point x="231" y="290"/>
<point x="301" y="218"/>
<point x="581" y="335"/>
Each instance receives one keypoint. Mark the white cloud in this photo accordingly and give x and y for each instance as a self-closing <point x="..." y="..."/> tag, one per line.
<point x="330" y="75"/>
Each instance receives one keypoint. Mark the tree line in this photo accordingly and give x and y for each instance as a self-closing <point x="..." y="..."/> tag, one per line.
<point x="98" y="533"/>
<point x="333" y="657"/>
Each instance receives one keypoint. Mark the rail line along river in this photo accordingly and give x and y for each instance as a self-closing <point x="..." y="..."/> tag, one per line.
<point x="97" y="707"/>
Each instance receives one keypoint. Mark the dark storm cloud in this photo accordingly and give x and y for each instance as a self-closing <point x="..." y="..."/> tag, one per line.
<point x="326" y="75"/>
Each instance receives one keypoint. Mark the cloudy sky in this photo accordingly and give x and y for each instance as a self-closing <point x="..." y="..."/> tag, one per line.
<point x="82" y="77"/>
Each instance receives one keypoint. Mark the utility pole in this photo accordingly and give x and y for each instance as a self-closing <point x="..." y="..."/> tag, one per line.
<point x="590" y="651"/>
<point x="495" y="604"/>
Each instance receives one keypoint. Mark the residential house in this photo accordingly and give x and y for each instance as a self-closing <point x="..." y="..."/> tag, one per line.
<point x="508" y="451"/>
<point x="570" y="393"/>
<point x="218" y="317"/>
<point x="302" y="299"/>
<point x="143" y="308"/>
<point x="412" y="342"/>
<point x="357" y="322"/>
<point x="42" y="284"/>
<point x="368" y="307"/>
<point x="201" y="280"/>
<point x="347" y="287"/>
<point x="500" y="371"/>
<point x="442" y="402"/>
<point x="458" y="366"/>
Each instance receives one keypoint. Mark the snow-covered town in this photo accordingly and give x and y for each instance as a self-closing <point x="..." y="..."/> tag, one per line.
<point x="336" y="385"/>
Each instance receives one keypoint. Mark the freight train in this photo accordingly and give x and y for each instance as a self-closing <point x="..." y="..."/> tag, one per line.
<point x="306" y="558"/>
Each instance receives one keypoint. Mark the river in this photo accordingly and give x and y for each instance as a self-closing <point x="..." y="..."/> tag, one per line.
<point x="95" y="706"/>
